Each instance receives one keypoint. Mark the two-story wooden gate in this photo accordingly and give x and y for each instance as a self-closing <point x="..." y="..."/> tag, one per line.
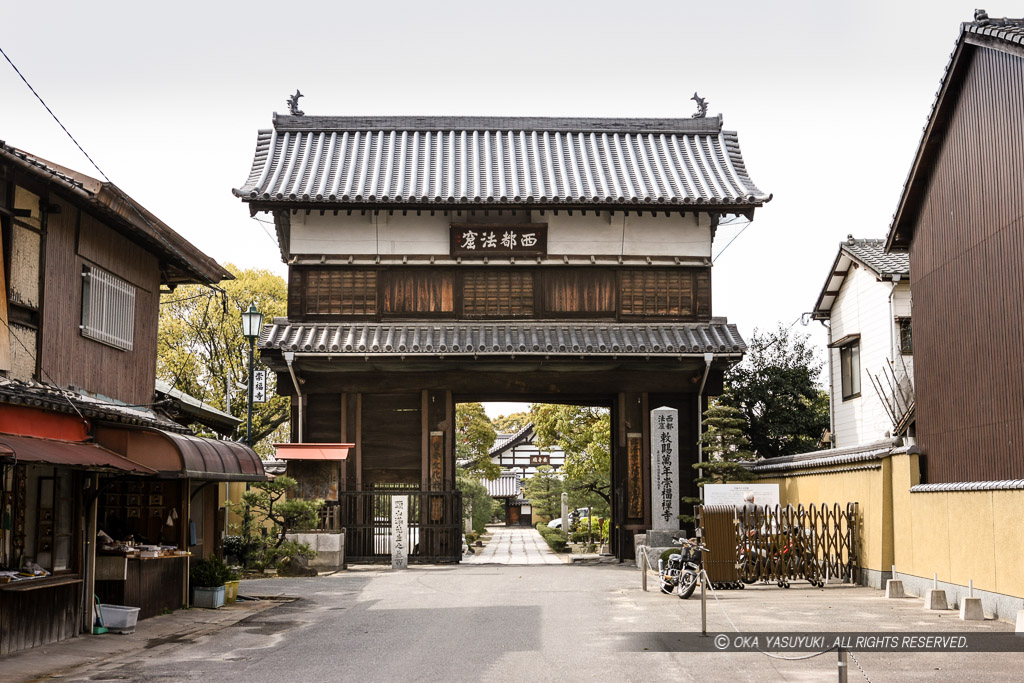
<point x="433" y="260"/>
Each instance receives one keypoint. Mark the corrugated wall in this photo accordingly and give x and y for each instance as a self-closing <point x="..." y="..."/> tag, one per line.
<point x="968" y="288"/>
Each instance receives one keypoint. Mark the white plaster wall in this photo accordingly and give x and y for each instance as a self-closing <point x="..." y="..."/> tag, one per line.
<point x="595" y="234"/>
<point x="862" y="307"/>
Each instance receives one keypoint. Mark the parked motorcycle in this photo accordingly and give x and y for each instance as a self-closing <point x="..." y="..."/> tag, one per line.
<point x="681" y="572"/>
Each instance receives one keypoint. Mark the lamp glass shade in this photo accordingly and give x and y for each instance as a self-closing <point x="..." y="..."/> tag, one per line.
<point x="252" y="322"/>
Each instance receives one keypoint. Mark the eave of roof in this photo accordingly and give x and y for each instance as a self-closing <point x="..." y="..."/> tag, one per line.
<point x="1006" y="35"/>
<point x="828" y="457"/>
<point x="888" y="267"/>
<point x="201" y="411"/>
<point x="525" y="434"/>
<point x="504" y="337"/>
<point x="337" y="162"/>
<point x="192" y="265"/>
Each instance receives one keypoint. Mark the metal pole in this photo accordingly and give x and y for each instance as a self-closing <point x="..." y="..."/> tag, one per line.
<point x="643" y="569"/>
<point x="703" y="602"/>
<point x="842" y="665"/>
<point x="248" y="419"/>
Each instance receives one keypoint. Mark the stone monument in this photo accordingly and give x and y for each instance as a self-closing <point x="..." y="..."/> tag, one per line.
<point x="664" y="477"/>
<point x="399" y="532"/>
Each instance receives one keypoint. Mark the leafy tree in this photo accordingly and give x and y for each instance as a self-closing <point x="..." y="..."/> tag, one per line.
<point x="776" y="390"/>
<point x="544" y="491"/>
<point x="725" y="447"/>
<point x="202" y="352"/>
<point x="584" y="434"/>
<point x="511" y="423"/>
<point x="474" y="436"/>
<point x="475" y="500"/>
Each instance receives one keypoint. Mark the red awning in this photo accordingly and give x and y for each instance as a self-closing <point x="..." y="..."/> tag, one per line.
<point x="313" y="451"/>
<point x="183" y="456"/>
<point x="66" y="453"/>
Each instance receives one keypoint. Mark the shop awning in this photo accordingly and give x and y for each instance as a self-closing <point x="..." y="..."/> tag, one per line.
<point x="65" y="453"/>
<point x="313" y="451"/>
<point x="183" y="456"/>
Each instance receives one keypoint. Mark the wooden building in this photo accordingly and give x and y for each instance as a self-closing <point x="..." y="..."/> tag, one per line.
<point x="81" y="448"/>
<point x="516" y="452"/>
<point x="508" y="489"/>
<point x="960" y="217"/>
<point x="865" y="306"/>
<point x="434" y="260"/>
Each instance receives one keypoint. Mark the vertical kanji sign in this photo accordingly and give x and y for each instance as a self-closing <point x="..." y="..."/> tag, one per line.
<point x="399" y="532"/>
<point x="259" y="386"/>
<point x="665" y="469"/>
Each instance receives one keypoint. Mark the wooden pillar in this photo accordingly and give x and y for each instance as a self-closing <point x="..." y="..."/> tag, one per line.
<point x="358" y="441"/>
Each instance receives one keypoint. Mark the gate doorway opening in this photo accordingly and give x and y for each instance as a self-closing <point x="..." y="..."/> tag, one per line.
<point x="540" y="450"/>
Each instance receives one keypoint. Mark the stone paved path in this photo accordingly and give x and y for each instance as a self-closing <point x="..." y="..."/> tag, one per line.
<point x="514" y="545"/>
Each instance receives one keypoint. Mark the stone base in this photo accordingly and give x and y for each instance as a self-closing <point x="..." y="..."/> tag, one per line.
<point x="935" y="598"/>
<point x="894" y="589"/>
<point x="662" y="538"/>
<point x="329" y="547"/>
<point x="971" y="610"/>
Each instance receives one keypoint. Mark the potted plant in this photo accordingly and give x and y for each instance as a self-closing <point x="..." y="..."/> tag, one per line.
<point x="208" y="578"/>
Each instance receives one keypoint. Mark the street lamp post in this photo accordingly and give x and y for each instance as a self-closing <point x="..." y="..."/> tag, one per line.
<point x="252" y="323"/>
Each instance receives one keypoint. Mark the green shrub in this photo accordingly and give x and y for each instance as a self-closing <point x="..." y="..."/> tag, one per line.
<point x="578" y="536"/>
<point x="210" y="572"/>
<point x="555" y="538"/>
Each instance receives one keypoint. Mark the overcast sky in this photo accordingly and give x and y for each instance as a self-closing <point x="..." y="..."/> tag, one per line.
<point x="829" y="100"/>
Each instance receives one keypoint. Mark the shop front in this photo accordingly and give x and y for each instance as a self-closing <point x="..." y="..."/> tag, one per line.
<point x="154" y="527"/>
<point x="48" y="495"/>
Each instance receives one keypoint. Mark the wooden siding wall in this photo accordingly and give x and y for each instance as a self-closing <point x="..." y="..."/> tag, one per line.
<point x="968" y="288"/>
<point x="75" y="239"/>
<point x="500" y="292"/>
<point x="391" y="437"/>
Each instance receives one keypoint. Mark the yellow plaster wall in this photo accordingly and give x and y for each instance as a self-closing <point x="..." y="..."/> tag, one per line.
<point x="960" y="535"/>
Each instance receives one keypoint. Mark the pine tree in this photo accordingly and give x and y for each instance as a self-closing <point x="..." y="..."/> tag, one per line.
<point x="725" y="445"/>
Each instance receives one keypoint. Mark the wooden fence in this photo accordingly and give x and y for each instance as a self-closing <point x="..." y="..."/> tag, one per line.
<point x="435" y="526"/>
<point x="779" y="544"/>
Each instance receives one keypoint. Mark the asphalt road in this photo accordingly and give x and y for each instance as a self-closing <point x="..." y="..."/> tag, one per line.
<point x="538" y="623"/>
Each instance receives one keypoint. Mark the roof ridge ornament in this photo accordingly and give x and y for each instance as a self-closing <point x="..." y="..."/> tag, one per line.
<point x="293" y="104"/>
<point x="702" y="106"/>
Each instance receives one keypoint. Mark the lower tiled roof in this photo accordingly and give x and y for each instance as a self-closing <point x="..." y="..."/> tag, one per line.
<point x="504" y="338"/>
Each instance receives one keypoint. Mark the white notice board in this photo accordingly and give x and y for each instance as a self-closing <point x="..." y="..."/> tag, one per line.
<point x="732" y="494"/>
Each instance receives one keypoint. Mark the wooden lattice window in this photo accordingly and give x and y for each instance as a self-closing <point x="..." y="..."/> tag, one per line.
<point x="657" y="292"/>
<point x="498" y="294"/>
<point x="341" y="292"/>
<point x="419" y="292"/>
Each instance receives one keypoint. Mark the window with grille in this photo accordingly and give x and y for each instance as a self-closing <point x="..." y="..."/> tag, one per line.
<point x="657" y="292"/>
<point x="108" y="309"/>
<point x="341" y="292"/>
<point x="497" y="294"/>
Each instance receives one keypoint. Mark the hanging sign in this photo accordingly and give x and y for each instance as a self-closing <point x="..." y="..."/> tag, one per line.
<point x="259" y="386"/>
<point x="480" y="240"/>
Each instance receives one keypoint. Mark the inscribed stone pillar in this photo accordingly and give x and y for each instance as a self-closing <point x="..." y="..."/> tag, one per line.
<point x="565" y="512"/>
<point x="399" y="532"/>
<point x="665" y="469"/>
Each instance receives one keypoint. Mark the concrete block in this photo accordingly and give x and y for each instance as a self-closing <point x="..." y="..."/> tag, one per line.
<point x="1020" y="621"/>
<point x="894" y="589"/>
<point x="971" y="610"/>
<point x="935" y="598"/>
